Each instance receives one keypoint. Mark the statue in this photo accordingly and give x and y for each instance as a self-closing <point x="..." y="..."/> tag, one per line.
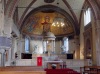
<point x="35" y="49"/>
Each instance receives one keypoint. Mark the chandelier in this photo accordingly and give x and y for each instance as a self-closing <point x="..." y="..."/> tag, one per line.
<point x="58" y="22"/>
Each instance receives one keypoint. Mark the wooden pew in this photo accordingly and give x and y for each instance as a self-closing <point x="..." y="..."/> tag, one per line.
<point x="22" y="72"/>
<point x="21" y="68"/>
<point x="90" y="70"/>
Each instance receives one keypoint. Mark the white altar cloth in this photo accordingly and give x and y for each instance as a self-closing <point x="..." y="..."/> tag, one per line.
<point x="60" y="61"/>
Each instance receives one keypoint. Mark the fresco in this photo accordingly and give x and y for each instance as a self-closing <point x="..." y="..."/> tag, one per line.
<point x="34" y="24"/>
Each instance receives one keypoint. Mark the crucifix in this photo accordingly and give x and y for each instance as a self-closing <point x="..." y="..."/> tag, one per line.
<point x="46" y="24"/>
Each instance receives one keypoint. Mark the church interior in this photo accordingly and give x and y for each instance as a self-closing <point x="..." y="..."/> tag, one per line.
<point x="49" y="36"/>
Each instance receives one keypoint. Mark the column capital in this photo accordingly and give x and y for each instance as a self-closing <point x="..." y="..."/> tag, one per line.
<point x="2" y="50"/>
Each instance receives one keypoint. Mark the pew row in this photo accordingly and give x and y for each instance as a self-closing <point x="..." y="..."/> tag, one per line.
<point x="21" y="68"/>
<point x="22" y="72"/>
<point x="90" y="70"/>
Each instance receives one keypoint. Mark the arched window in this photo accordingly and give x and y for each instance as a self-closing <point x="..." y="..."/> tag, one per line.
<point x="27" y="42"/>
<point x="87" y="17"/>
<point x="65" y="44"/>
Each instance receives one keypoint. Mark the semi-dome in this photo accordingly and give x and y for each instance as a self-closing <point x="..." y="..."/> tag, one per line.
<point x="49" y="36"/>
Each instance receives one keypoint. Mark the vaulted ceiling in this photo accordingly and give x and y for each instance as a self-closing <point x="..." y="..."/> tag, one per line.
<point x="28" y="8"/>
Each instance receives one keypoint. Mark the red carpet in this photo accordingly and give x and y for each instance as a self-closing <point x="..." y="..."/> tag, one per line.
<point x="60" y="71"/>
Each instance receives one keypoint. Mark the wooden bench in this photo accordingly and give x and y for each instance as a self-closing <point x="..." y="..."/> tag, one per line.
<point x="22" y="72"/>
<point x="21" y="68"/>
<point x="90" y="70"/>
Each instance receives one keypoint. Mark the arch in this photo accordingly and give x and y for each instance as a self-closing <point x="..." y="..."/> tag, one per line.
<point x="72" y="12"/>
<point x="53" y="8"/>
<point x="23" y="15"/>
<point x="92" y="3"/>
<point x="10" y="7"/>
<point x="95" y="8"/>
<point x="7" y="6"/>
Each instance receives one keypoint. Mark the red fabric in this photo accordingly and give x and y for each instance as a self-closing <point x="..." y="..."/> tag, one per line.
<point x="39" y="61"/>
<point x="60" y="71"/>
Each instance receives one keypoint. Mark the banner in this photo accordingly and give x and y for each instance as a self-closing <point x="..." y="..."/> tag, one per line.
<point x="39" y="61"/>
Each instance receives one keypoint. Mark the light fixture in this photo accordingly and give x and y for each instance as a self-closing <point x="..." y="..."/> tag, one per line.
<point x="58" y="20"/>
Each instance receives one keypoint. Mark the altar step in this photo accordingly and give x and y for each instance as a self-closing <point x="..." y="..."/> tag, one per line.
<point x="61" y="71"/>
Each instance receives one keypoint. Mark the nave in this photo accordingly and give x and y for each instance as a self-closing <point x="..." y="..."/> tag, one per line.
<point x="50" y="36"/>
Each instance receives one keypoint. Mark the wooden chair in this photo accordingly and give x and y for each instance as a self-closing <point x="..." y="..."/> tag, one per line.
<point x="89" y="70"/>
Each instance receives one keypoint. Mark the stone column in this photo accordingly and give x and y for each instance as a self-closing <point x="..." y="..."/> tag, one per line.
<point x="98" y="42"/>
<point x="20" y="47"/>
<point x="54" y="44"/>
<point x="1" y="18"/>
<point x="8" y="26"/>
<point x="1" y="32"/>
<point x="9" y="55"/>
<point x="2" y="57"/>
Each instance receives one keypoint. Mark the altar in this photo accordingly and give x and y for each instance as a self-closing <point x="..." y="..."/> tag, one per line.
<point x="57" y="63"/>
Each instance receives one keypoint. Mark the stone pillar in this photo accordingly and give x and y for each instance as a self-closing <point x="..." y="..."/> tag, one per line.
<point x="54" y="44"/>
<point x="14" y="47"/>
<point x="1" y="18"/>
<point x="5" y="31"/>
<point x="76" y="50"/>
<point x="98" y="42"/>
<point x="9" y="55"/>
<point x="20" y="48"/>
<point x="8" y="26"/>
<point x="2" y="57"/>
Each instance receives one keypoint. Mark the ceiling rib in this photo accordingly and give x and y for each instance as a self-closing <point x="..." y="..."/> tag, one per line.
<point x="72" y="12"/>
<point x="23" y="15"/>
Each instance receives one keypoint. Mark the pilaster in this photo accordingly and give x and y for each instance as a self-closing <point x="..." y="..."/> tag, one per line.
<point x="98" y="42"/>
<point x="1" y="19"/>
<point x="2" y="51"/>
<point x="8" y="26"/>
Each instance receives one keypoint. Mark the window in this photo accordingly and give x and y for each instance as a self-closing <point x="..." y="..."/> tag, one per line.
<point x="87" y="17"/>
<point x="27" y="45"/>
<point x="66" y="44"/>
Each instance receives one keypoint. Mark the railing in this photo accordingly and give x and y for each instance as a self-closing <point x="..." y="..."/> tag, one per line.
<point x="73" y="64"/>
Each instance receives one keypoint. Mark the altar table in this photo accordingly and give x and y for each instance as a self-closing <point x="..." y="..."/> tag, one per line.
<point x="57" y="63"/>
